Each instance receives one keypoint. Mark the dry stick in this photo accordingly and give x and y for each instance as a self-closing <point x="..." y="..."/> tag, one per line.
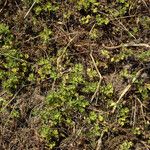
<point x="142" y="111"/>
<point x="126" y="29"/>
<point x="99" y="142"/>
<point x="126" y="45"/>
<point x="14" y="96"/>
<point x="29" y="9"/>
<point x="2" y="93"/>
<point x="15" y="58"/>
<point x="54" y="38"/>
<point x="138" y="73"/>
<point x="8" y="117"/>
<point x="145" y="3"/>
<point x="100" y="77"/>
<point x="123" y="26"/>
<point x="141" y="103"/>
<point x="92" y="28"/>
<point x="146" y="146"/>
<point x="127" y="89"/>
<point x="59" y="59"/>
<point x="134" y="114"/>
<point x="3" y="6"/>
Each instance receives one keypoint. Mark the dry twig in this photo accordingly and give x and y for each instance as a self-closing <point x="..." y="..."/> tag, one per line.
<point x="142" y="111"/>
<point x="59" y="59"/>
<point x="29" y="9"/>
<point x="99" y="142"/>
<point x="14" y="96"/>
<point x="100" y="77"/>
<point x="131" y="44"/>
<point x="3" y="6"/>
<point x="127" y="88"/>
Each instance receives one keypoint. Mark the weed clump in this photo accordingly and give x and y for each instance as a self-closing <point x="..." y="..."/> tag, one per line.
<point x="74" y="74"/>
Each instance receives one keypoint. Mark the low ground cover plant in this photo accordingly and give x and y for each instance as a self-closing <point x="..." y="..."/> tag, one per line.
<point x="74" y="74"/>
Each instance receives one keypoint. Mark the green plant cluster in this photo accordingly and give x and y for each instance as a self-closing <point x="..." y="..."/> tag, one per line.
<point x="47" y="7"/>
<point x="14" y="66"/>
<point x="65" y="103"/>
<point x="58" y="53"/>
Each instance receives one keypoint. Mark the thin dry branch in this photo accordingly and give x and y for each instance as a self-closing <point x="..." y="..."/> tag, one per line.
<point x="99" y="142"/>
<point x="145" y="4"/>
<point x="100" y="77"/>
<point x="14" y="96"/>
<point x="127" y="88"/>
<point x="29" y="9"/>
<point x="131" y="44"/>
<point x="3" y="6"/>
<point x="142" y="110"/>
<point x="59" y="59"/>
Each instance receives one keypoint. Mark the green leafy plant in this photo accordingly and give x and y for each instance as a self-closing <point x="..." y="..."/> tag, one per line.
<point x="100" y="20"/>
<point x="126" y="145"/>
<point x="145" y="22"/>
<point x="46" y="70"/>
<point x="14" y="69"/>
<point x="47" y="7"/>
<point x="136" y="131"/>
<point x="50" y="82"/>
<point x="5" y="35"/>
<point x="45" y="35"/>
<point x="85" y="20"/>
<point x="123" y="115"/>
<point x="124" y="54"/>
<point x="64" y="102"/>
